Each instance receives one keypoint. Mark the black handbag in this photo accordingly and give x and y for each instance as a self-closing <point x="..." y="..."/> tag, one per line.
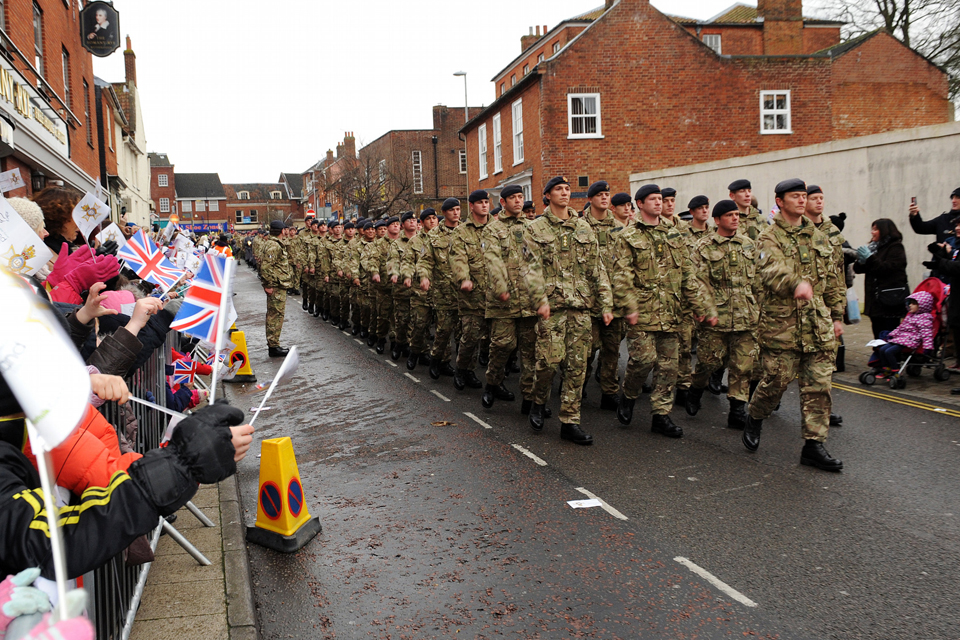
<point x="893" y="297"/>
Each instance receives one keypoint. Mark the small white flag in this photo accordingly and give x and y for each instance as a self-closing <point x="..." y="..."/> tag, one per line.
<point x="89" y="213"/>
<point x="21" y="249"/>
<point x="113" y="233"/>
<point x="10" y="180"/>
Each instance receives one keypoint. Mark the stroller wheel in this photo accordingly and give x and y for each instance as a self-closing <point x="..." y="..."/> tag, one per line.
<point x="894" y="382"/>
<point x="914" y="370"/>
<point x="941" y="373"/>
<point x="867" y="378"/>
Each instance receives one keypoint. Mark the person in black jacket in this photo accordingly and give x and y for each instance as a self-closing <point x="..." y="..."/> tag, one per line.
<point x="884" y="262"/>
<point x="942" y="225"/>
<point x="948" y="266"/>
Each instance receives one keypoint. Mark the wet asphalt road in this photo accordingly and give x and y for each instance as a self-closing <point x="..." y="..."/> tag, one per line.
<point x="451" y="531"/>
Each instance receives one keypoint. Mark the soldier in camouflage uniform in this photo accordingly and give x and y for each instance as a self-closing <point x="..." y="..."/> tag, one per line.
<point x="373" y="288"/>
<point x="654" y="284"/>
<point x="276" y="276"/>
<point x="374" y="262"/>
<point x="341" y="255"/>
<point x="306" y="247"/>
<point x="509" y="310"/>
<point x="420" y="303"/>
<point x="726" y="263"/>
<point x="567" y="281"/>
<point x="688" y="326"/>
<point x="295" y="251"/>
<point x="401" y="293"/>
<point x="469" y="275"/>
<point x="802" y="293"/>
<point x="606" y="337"/>
<point x="360" y="280"/>
<point x="350" y="253"/>
<point x="318" y="230"/>
<point x="334" y="241"/>
<point x="433" y="272"/>
<point x="752" y="223"/>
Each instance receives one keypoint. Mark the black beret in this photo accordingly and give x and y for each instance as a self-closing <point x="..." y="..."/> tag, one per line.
<point x="669" y="192"/>
<point x="449" y="203"/>
<point x="554" y="182"/>
<point x="789" y="186"/>
<point x="646" y="190"/>
<point x="426" y="213"/>
<point x="477" y="196"/>
<point x="698" y="201"/>
<point x="406" y="215"/>
<point x="277" y="224"/>
<point x="955" y="193"/>
<point x="598" y="187"/>
<point x="496" y="210"/>
<point x="724" y="206"/>
<point x="736" y="185"/>
<point x="379" y="223"/>
<point x="336" y="222"/>
<point x="367" y="225"/>
<point x="349" y="225"/>
<point x="391" y="220"/>
<point x="839" y="220"/>
<point x="527" y="204"/>
<point x="511" y="190"/>
<point x="619" y="199"/>
<point x="812" y="189"/>
<point x="319" y="222"/>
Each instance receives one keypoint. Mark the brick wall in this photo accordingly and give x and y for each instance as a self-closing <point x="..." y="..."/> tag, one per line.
<point x="543" y="46"/>
<point x="157" y="192"/>
<point x="25" y="191"/>
<point x="818" y="38"/>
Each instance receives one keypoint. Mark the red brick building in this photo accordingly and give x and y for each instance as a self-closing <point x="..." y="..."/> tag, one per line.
<point x="163" y="186"/>
<point x="253" y="205"/>
<point x="635" y="90"/>
<point x="329" y="183"/>
<point x="47" y="104"/>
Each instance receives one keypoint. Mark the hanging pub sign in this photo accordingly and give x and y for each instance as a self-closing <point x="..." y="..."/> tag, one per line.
<point x="100" y="28"/>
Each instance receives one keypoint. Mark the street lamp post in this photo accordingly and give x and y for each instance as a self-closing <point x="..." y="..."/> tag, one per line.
<point x="466" y="119"/>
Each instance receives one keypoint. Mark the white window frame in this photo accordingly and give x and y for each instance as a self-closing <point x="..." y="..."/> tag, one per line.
<point x="254" y="216"/>
<point x="416" y="159"/>
<point x="775" y="112"/>
<point x="539" y="58"/>
<point x="463" y="161"/>
<point x="164" y="205"/>
<point x="715" y="38"/>
<point x="276" y="195"/>
<point x="526" y="69"/>
<point x="513" y="80"/>
<point x="516" y="110"/>
<point x="556" y="47"/>
<point x="243" y="195"/>
<point x="239" y="216"/>
<point x="201" y="206"/>
<point x="187" y="207"/>
<point x="497" y="145"/>
<point x="163" y="180"/>
<point x="214" y="205"/>
<point x="482" y="146"/>
<point x="571" y="116"/>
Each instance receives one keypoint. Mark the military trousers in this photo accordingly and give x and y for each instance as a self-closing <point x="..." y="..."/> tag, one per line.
<point x="366" y="308"/>
<point x="507" y="334"/>
<point x="401" y="315"/>
<point x="646" y="349"/>
<point x="354" y="304"/>
<point x="736" y="349"/>
<point x="448" y="321"/>
<point x="606" y="342"/>
<point x="563" y="339"/>
<point x="419" y="327"/>
<point x="276" y="306"/>
<point x="343" y="286"/>
<point x="685" y="360"/>
<point x="384" y="312"/>
<point x="473" y="331"/>
<point x="814" y="373"/>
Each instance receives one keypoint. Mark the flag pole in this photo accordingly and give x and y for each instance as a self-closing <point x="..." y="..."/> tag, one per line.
<point x="45" y="467"/>
<point x="229" y="269"/>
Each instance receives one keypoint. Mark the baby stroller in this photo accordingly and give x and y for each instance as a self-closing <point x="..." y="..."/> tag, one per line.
<point x="914" y="360"/>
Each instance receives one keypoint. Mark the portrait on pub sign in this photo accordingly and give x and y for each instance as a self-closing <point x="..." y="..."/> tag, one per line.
<point x="99" y="28"/>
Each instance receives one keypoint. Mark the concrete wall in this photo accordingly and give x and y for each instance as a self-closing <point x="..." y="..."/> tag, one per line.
<point x="868" y="177"/>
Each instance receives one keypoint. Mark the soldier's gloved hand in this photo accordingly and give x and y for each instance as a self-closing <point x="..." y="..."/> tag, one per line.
<point x="204" y="446"/>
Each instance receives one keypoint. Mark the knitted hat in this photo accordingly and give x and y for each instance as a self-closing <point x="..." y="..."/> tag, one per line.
<point x="30" y="211"/>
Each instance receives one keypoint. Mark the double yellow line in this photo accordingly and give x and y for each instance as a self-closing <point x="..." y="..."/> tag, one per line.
<point x="909" y="403"/>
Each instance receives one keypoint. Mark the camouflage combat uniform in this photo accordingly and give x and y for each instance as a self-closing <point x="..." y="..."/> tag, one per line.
<point x="401" y="294"/>
<point x="654" y="277"/>
<point x="434" y="265"/>
<point x="374" y="261"/>
<point x="351" y="255"/>
<point x="752" y="224"/>
<point x="295" y="252"/>
<point x="466" y="263"/>
<point x="420" y="303"/>
<point x="276" y="274"/>
<point x="796" y="337"/>
<point x="513" y="323"/>
<point x="606" y="338"/>
<point x="566" y="271"/>
<point x="356" y="271"/>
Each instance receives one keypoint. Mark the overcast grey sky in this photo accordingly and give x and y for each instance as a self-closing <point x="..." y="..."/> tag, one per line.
<point x="250" y="89"/>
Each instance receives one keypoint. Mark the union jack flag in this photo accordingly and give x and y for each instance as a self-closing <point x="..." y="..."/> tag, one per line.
<point x="198" y="313"/>
<point x="148" y="261"/>
<point x="210" y="358"/>
<point x="184" y="371"/>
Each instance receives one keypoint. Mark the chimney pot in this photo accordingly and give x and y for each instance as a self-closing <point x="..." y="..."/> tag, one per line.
<point x="130" y="64"/>
<point x="544" y="29"/>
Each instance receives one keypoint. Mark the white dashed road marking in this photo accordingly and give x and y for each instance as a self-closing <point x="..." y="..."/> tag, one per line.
<point x="412" y="378"/>
<point x="391" y="363"/>
<point x="606" y="507"/>
<point x="477" y="420"/>
<point x="540" y="461"/>
<point x="439" y="395"/>
<point x="372" y="351"/>
<point x="358" y="341"/>
<point x="717" y="582"/>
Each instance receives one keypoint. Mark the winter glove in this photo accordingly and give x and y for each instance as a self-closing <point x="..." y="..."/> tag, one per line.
<point x="67" y="262"/>
<point x="930" y="264"/>
<point x="938" y="252"/>
<point x="17" y="598"/>
<point x="86" y="274"/>
<point x="205" y="446"/>
<point x="108" y="248"/>
<point x="74" y="628"/>
<point x="863" y="252"/>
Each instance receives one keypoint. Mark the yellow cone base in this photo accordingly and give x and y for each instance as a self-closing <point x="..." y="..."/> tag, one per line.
<point x="285" y="544"/>
<point x="240" y="353"/>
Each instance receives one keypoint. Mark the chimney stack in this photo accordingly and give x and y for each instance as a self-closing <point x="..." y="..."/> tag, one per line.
<point x="782" y="26"/>
<point x="529" y="40"/>
<point x="329" y="157"/>
<point x="349" y="145"/>
<point x="130" y="63"/>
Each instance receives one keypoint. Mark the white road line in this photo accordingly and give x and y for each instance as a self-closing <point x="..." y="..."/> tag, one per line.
<point x="717" y="582"/>
<point x="540" y="461"/>
<point x="358" y="341"/>
<point x="603" y="505"/>
<point x="347" y="333"/>
<point x="477" y="420"/>
<point x="372" y="351"/>
<point x="439" y="395"/>
<point x="412" y="378"/>
<point x="716" y="493"/>
<point x="391" y="363"/>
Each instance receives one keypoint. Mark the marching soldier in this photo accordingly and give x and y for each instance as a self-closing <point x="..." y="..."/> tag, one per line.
<point x="376" y="264"/>
<point x="751" y="224"/>
<point x="350" y="240"/>
<point x="420" y="303"/>
<point x="360" y="280"/>
<point x="529" y="210"/>
<point x="699" y="207"/>
<point x="567" y="282"/>
<point x="433" y="271"/>
<point x="668" y="212"/>
<point x="654" y="283"/>
<point x="726" y="262"/>
<point x="469" y="276"/>
<point x="367" y="260"/>
<point x="276" y="276"/>
<point x="801" y="317"/>
<point x="401" y="293"/>
<point x="334" y="242"/>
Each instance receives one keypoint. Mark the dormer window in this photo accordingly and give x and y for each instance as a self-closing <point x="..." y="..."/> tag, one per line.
<point x="243" y="195"/>
<point x="275" y="195"/>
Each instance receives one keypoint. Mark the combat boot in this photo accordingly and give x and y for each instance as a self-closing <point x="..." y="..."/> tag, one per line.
<point x="305" y="303"/>
<point x="435" y="368"/>
<point x="716" y="382"/>
<point x="751" y="434"/>
<point x="483" y="358"/>
<point x="471" y="379"/>
<point x="692" y="405"/>
<point x="356" y="329"/>
<point x="404" y="349"/>
<point x="537" y="417"/>
<point x="737" y="418"/>
<point x="425" y="359"/>
<point x="526" y="405"/>
<point x="316" y="310"/>
<point x="381" y="345"/>
<point x="323" y="314"/>
<point x="573" y="433"/>
<point x="500" y="392"/>
<point x="458" y="380"/>
<point x="681" y="398"/>
<point x="836" y="420"/>
<point x="371" y="340"/>
<point x="363" y="332"/>
<point x="814" y="455"/>
<point x="395" y="351"/>
<point x="278" y="352"/>
<point x="412" y="361"/>
<point x="663" y="424"/>
<point x="609" y="402"/>
<point x="447" y="370"/>
<point x="625" y="409"/>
